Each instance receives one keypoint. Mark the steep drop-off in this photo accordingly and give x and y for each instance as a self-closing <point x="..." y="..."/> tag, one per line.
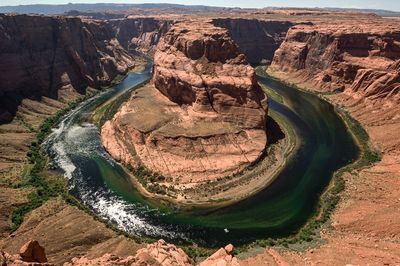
<point x="42" y="55"/>
<point x="202" y="119"/>
<point x="140" y="34"/>
<point x="361" y="59"/>
<point x="358" y="60"/>
<point x="371" y="192"/>
<point x="257" y="39"/>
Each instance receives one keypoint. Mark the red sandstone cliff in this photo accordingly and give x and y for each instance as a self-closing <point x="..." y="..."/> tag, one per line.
<point x="257" y="39"/>
<point x="361" y="59"/>
<point x="140" y="34"/>
<point x="203" y="119"/>
<point x="203" y="67"/>
<point x="39" y="55"/>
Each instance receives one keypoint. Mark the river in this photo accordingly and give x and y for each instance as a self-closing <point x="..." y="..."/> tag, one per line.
<point x="101" y="184"/>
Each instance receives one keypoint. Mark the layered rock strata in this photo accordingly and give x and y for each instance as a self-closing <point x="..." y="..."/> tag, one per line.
<point x="137" y="34"/>
<point x="46" y="63"/>
<point x="43" y="56"/>
<point x="361" y="58"/>
<point x="358" y="59"/>
<point x="257" y="39"/>
<point x="201" y="119"/>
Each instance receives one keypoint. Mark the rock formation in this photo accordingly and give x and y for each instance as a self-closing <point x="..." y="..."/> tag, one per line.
<point x="31" y="254"/>
<point x="160" y="253"/>
<point x="157" y="254"/>
<point x="359" y="57"/>
<point x="222" y="257"/>
<point x="203" y="119"/>
<point x="340" y="53"/>
<point x="257" y="39"/>
<point x="138" y="34"/>
<point x="44" y="56"/>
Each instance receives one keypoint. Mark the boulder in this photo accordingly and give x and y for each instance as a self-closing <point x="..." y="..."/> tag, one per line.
<point x="157" y="254"/>
<point x="222" y="257"/>
<point x="33" y="252"/>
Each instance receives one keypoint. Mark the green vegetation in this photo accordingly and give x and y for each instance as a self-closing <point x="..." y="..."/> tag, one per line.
<point x="369" y="155"/>
<point x="331" y="197"/>
<point x="149" y="180"/>
<point x="196" y="252"/>
<point x="118" y="79"/>
<point x="36" y="176"/>
<point x="272" y="93"/>
<point x="44" y="189"/>
<point x="310" y="233"/>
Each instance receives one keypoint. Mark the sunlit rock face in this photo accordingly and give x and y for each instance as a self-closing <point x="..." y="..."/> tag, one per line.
<point x="203" y="68"/>
<point x="202" y="118"/>
<point x="361" y="59"/>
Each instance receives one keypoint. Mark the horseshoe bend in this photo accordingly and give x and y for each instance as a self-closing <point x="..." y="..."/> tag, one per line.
<point x="201" y="119"/>
<point x="163" y="134"/>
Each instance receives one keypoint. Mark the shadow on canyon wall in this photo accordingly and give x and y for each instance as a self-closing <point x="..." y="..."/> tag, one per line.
<point x="41" y="55"/>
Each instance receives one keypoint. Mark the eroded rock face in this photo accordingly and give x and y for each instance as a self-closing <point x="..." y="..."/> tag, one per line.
<point x="257" y="39"/>
<point x="204" y="116"/>
<point x="31" y="254"/>
<point x="203" y="67"/>
<point x="361" y="58"/>
<point x="40" y="55"/>
<point x="140" y="34"/>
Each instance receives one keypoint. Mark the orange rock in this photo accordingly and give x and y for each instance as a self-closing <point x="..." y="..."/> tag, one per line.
<point x="157" y="254"/>
<point x="33" y="252"/>
<point x="3" y="258"/>
<point x="203" y="119"/>
<point x="361" y="58"/>
<point x="229" y="249"/>
<point x="222" y="257"/>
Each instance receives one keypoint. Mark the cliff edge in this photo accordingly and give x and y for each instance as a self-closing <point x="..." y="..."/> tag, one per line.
<point x="203" y="117"/>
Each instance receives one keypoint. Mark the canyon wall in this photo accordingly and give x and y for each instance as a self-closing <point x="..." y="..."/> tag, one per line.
<point x="257" y="39"/>
<point x="363" y="60"/>
<point x="204" y="68"/>
<point x="204" y="116"/>
<point x="140" y="34"/>
<point x="40" y="55"/>
<point x="357" y="60"/>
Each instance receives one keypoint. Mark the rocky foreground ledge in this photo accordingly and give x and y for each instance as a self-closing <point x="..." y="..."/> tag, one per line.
<point x="157" y="254"/>
<point x="203" y="117"/>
